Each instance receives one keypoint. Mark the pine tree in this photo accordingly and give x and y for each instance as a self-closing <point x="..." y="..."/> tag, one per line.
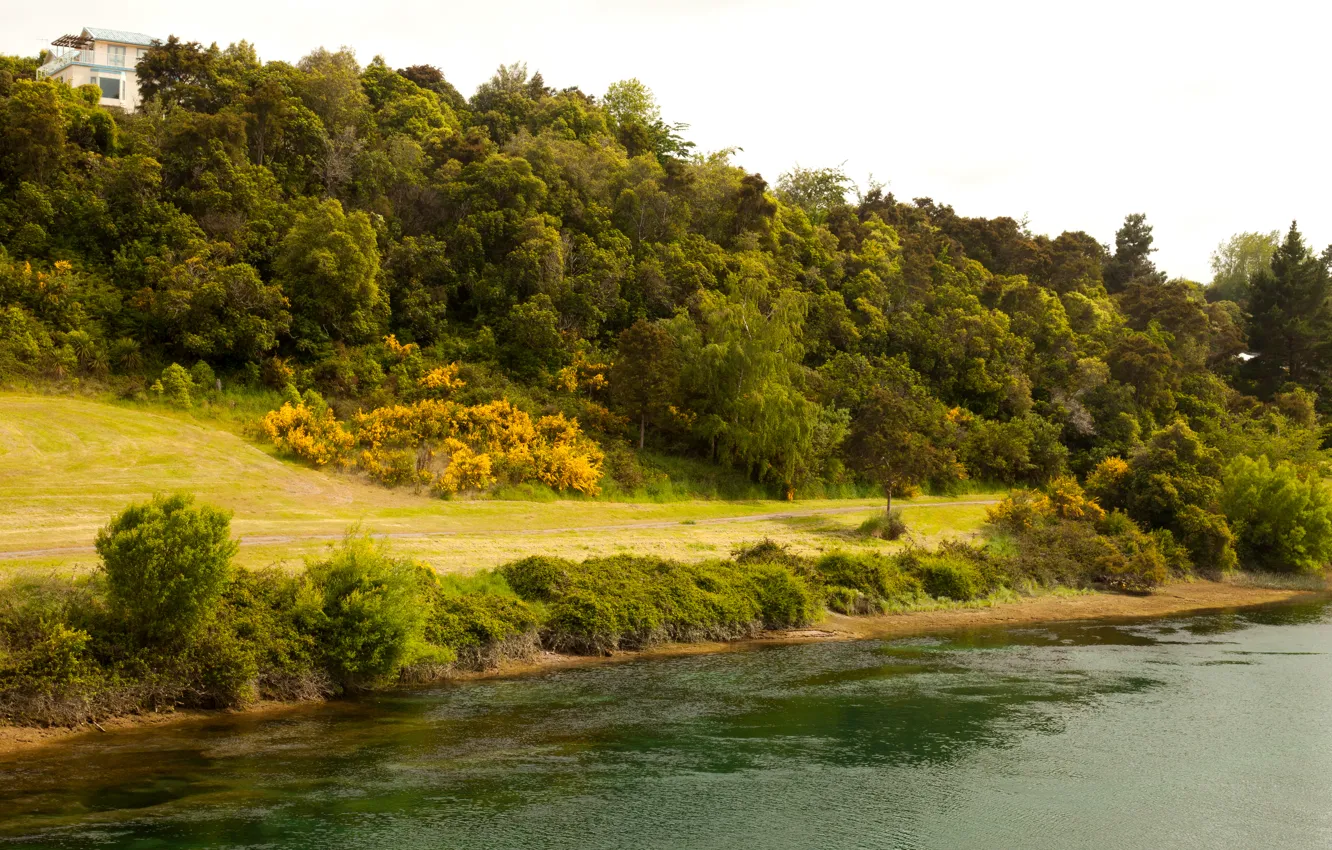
<point x="1132" y="257"/>
<point x="1290" y="325"/>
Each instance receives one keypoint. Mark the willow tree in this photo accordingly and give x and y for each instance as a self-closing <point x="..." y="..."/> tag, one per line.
<point x="744" y="372"/>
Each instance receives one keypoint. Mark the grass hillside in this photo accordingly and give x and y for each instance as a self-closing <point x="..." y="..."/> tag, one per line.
<point x="66" y="465"/>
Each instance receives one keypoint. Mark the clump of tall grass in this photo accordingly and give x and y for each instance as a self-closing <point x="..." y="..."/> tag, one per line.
<point x="889" y="526"/>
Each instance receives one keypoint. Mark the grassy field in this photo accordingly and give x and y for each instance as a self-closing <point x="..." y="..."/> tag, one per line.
<point x="66" y="465"/>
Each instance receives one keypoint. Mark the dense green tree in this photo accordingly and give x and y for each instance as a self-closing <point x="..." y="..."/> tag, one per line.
<point x="167" y="562"/>
<point x="1237" y="260"/>
<point x="1132" y="258"/>
<point x="180" y="74"/>
<point x="532" y="343"/>
<point x="328" y="265"/>
<point x="815" y="190"/>
<point x="900" y="435"/>
<point x="646" y="377"/>
<point x="1281" y="522"/>
<point x="430" y="77"/>
<point x="743" y="370"/>
<point x="1290" y="325"/>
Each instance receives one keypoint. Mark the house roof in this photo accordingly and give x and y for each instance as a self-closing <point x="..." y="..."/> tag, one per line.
<point x="120" y="35"/>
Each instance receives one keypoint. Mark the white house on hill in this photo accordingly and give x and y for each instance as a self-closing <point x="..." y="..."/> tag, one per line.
<point x="103" y="58"/>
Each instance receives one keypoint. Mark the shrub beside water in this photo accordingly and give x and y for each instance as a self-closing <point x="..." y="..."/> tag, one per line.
<point x="625" y="602"/>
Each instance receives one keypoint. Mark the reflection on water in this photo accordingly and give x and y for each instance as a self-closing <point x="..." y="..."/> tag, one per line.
<point x="1202" y="731"/>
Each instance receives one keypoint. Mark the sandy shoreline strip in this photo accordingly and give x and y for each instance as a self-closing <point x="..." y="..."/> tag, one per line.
<point x="1177" y="598"/>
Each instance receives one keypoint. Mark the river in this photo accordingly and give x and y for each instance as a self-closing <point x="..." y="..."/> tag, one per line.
<point x="1203" y="731"/>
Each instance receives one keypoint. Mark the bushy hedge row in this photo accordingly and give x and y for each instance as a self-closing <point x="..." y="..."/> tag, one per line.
<point x="625" y="602"/>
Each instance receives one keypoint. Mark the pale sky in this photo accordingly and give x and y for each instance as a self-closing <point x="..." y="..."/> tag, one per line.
<point x="1211" y="117"/>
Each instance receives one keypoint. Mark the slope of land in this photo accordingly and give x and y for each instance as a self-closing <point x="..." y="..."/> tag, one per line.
<point x="67" y="465"/>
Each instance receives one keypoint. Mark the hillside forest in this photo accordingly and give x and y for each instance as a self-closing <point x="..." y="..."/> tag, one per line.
<point x="534" y="285"/>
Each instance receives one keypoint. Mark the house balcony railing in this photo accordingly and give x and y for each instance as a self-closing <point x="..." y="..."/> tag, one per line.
<point x="61" y="60"/>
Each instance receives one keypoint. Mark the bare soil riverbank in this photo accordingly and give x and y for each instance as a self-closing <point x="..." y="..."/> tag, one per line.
<point x="1177" y="598"/>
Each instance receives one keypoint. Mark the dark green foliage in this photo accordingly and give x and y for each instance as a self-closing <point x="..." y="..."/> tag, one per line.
<point x="625" y="602"/>
<point x="1291" y="317"/>
<point x="1023" y="450"/>
<point x="900" y="436"/>
<point x="646" y="375"/>
<point x="1131" y="261"/>
<point x="949" y="577"/>
<point x="879" y="577"/>
<point x="167" y="562"/>
<point x="537" y="578"/>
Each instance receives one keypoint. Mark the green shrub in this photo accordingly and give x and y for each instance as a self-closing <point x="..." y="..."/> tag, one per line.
<point x="624" y="602"/>
<point x="848" y="600"/>
<point x="878" y="576"/>
<point x="202" y="376"/>
<point x="766" y="551"/>
<point x="949" y="576"/>
<point x="367" y="610"/>
<point x="1282" y="523"/>
<point x="262" y="609"/>
<point x="481" y="629"/>
<point x="176" y="385"/>
<point x="167" y="562"/>
<point x="538" y="577"/>
<point x="785" y="600"/>
<point x="1208" y="539"/>
<point x="49" y="673"/>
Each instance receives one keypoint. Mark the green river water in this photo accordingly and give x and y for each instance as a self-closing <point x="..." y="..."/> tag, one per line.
<point x="1208" y="731"/>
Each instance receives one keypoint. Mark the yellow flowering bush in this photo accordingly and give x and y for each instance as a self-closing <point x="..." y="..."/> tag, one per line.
<point x="467" y="469"/>
<point x="1068" y="500"/>
<point x="1022" y="511"/>
<point x="447" y="446"/>
<point x="441" y="380"/>
<point x="315" y="436"/>
<point x="583" y="375"/>
<point x="1105" y="480"/>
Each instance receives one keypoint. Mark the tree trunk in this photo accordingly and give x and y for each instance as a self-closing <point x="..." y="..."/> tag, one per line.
<point x="888" y="491"/>
<point x="642" y="429"/>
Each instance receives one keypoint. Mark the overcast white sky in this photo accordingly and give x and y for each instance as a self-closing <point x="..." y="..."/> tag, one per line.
<point x="1211" y="117"/>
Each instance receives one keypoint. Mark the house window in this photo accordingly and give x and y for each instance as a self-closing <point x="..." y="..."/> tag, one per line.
<point x="139" y="54"/>
<point x="110" y="87"/>
<point x="115" y="55"/>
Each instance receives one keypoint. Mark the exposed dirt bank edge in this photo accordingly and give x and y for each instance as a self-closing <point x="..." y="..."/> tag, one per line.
<point x="1178" y="598"/>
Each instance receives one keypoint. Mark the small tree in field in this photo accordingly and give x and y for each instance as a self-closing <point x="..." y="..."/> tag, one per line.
<point x="899" y="438"/>
<point x="167" y="562"/>
<point x="646" y="374"/>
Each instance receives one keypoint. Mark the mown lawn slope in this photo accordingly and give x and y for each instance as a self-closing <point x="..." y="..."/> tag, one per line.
<point x="67" y="464"/>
